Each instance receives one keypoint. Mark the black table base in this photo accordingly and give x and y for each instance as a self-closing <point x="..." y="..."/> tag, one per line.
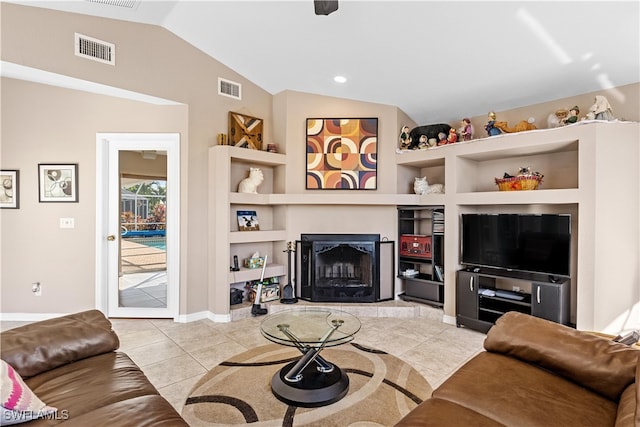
<point x="314" y="389"/>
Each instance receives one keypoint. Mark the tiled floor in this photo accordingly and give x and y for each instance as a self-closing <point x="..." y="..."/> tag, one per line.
<point x="143" y="289"/>
<point x="175" y="355"/>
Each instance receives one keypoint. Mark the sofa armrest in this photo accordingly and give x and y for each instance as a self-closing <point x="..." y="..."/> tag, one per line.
<point x="599" y="364"/>
<point x="41" y="346"/>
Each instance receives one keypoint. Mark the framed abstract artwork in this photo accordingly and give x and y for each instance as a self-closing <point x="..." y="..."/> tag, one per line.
<point x="342" y="154"/>
<point x="10" y="190"/>
<point x="58" y="182"/>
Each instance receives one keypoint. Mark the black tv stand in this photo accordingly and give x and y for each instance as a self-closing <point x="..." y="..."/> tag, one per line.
<point x="483" y="295"/>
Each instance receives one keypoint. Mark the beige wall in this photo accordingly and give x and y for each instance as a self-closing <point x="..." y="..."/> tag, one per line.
<point x="152" y="61"/>
<point x="46" y="124"/>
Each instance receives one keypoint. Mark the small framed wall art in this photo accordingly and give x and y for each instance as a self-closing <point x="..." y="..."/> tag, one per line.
<point x="58" y="182"/>
<point x="10" y="189"/>
<point x="342" y="154"/>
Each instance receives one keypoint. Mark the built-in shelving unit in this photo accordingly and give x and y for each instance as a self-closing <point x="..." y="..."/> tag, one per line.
<point x="583" y="165"/>
<point x="591" y="171"/>
<point x="228" y="165"/>
<point x="421" y="253"/>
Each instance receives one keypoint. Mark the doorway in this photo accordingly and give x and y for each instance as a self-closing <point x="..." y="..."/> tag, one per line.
<point x="138" y="206"/>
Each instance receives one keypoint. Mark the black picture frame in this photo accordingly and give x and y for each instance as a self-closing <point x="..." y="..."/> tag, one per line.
<point x="9" y="189"/>
<point x="58" y="182"/>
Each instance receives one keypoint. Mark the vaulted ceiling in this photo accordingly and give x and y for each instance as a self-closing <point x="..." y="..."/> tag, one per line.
<point x="436" y="60"/>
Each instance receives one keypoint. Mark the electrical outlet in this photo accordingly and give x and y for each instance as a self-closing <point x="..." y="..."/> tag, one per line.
<point x="36" y="288"/>
<point x="516" y="289"/>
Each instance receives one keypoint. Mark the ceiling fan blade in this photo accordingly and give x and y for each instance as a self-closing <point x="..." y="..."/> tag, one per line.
<point x="325" y="7"/>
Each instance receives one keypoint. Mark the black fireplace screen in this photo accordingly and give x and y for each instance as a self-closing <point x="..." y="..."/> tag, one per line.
<point x="339" y="267"/>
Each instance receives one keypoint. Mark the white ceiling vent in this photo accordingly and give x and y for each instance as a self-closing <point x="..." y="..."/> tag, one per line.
<point x="97" y="50"/>
<point x="229" y="88"/>
<point x="129" y="4"/>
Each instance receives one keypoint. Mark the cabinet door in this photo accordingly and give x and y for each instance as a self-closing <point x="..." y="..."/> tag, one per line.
<point x="467" y="294"/>
<point x="548" y="301"/>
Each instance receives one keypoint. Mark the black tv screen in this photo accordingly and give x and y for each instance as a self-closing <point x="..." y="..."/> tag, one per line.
<point x="526" y="243"/>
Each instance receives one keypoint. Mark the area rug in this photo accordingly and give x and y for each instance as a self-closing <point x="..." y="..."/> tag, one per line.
<point x="382" y="389"/>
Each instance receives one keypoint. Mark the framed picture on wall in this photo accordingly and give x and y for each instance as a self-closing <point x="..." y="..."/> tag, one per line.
<point x="342" y="154"/>
<point x="58" y="182"/>
<point x="10" y="189"/>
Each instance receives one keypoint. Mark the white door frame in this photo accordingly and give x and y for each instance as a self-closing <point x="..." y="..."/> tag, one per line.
<point x="108" y="146"/>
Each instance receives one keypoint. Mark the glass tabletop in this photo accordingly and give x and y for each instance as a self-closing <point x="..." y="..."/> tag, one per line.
<point x="310" y="327"/>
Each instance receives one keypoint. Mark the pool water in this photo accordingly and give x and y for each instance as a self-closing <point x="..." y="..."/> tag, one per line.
<point x="151" y="242"/>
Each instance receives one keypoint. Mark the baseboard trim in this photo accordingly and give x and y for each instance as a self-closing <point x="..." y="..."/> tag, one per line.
<point x="29" y="317"/>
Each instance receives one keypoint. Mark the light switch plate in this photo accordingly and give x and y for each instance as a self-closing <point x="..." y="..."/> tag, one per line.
<point x="67" y="222"/>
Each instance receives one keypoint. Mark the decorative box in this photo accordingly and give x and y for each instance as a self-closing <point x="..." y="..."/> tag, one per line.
<point x="253" y="262"/>
<point x="415" y="245"/>
<point x="270" y="292"/>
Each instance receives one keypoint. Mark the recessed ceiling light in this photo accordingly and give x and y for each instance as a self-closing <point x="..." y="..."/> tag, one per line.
<point x="340" y="79"/>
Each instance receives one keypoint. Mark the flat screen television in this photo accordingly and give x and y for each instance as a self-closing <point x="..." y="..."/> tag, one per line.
<point x="517" y="242"/>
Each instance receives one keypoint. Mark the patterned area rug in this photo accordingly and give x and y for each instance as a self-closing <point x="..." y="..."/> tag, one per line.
<point x="382" y="389"/>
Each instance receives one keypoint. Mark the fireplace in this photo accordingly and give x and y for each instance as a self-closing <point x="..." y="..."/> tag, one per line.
<point x="343" y="268"/>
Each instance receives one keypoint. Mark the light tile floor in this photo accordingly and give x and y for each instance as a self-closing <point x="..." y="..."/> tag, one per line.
<point x="174" y="356"/>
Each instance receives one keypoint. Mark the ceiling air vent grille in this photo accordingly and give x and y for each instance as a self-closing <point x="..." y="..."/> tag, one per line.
<point x="229" y="88"/>
<point x="97" y="50"/>
<point x="129" y="4"/>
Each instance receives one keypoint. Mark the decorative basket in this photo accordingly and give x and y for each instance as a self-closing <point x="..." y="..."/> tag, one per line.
<point x="520" y="182"/>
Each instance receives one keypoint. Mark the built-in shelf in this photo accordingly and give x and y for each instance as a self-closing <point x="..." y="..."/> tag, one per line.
<point x="248" y="274"/>
<point x="256" y="236"/>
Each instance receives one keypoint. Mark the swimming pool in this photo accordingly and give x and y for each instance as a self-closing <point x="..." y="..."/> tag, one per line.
<point x="153" y="242"/>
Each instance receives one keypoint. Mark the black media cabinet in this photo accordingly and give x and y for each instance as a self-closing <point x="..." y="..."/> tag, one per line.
<point x="483" y="295"/>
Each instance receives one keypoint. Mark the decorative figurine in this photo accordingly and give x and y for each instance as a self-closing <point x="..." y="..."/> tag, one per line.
<point x="573" y="116"/>
<point x="442" y="139"/>
<point x="405" y="138"/>
<point x="423" y="143"/>
<point x="430" y="133"/>
<point x="466" y="131"/>
<point x="601" y="110"/>
<point x="421" y="186"/>
<point x="519" y="127"/>
<point x="250" y="184"/>
<point x="489" y="127"/>
<point x="557" y="119"/>
<point x="453" y="136"/>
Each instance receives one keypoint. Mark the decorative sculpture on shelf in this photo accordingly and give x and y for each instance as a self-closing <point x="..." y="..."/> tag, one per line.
<point x="452" y="137"/>
<point x="421" y="186"/>
<point x="573" y="116"/>
<point x="519" y="127"/>
<point x="405" y="138"/>
<point x="427" y="134"/>
<point x="466" y="131"/>
<point x="600" y="110"/>
<point x="251" y="183"/>
<point x="489" y="127"/>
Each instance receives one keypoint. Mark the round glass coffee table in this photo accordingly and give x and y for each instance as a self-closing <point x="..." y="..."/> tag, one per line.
<point x="310" y="381"/>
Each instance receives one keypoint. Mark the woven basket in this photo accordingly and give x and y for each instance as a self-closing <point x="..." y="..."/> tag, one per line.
<point x="520" y="182"/>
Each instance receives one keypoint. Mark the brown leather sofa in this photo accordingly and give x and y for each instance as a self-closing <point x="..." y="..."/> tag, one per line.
<point x="538" y="373"/>
<point x="71" y="363"/>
